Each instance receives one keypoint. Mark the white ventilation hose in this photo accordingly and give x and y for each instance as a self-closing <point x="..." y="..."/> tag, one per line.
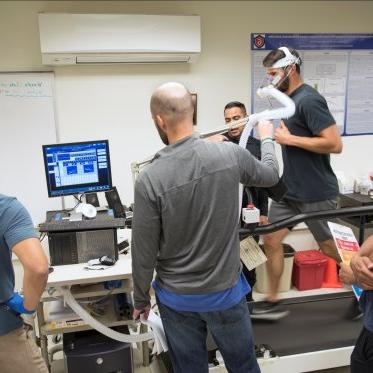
<point x="284" y="112"/>
<point x="103" y="329"/>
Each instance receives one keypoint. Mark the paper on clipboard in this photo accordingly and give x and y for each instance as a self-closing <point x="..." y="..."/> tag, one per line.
<point x="251" y="254"/>
<point x="347" y="247"/>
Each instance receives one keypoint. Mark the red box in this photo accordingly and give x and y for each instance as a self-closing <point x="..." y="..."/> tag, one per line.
<point x="309" y="268"/>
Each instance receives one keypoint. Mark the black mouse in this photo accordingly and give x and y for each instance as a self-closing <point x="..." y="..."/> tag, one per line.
<point x="107" y="261"/>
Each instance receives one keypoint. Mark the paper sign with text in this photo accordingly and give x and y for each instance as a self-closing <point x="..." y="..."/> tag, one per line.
<point x="347" y="247"/>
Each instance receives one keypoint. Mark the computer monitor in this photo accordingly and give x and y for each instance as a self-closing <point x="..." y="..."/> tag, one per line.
<point x="78" y="167"/>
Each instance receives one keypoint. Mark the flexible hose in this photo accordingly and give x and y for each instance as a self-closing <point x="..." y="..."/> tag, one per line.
<point x="95" y="324"/>
<point x="284" y="112"/>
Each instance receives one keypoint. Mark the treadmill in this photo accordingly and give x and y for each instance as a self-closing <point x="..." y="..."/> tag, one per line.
<point x="316" y="334"/>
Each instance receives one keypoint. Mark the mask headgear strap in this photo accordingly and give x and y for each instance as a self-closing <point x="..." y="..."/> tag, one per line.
<point x="289" y="59"/>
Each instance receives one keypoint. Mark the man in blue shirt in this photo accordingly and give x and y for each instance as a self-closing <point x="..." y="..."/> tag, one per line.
<point x="362" y="266"/>
<point x="185" y="226"/>
<point x="18" y="351"/>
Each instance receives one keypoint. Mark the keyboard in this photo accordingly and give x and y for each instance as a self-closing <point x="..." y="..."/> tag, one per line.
<point x="82" y="225"/>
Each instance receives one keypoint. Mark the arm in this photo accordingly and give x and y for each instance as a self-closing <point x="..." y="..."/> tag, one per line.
<point x="35" y="265"/>
<point x="367" y="247"/>
<point x="362" y="266"/>
<point x="146" y="231"/>
<point x="21" y="238"/>
<point x="326" y="142"/>
<point x="256" y="173"/>
<point x="262" y="173"/>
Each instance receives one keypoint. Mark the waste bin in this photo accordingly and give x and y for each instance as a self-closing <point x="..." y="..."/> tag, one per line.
<point x="309" y="269"/>
<point x="262" y="281"/>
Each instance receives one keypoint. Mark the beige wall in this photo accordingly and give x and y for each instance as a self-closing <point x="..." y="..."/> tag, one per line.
<point x="112" y="101"/>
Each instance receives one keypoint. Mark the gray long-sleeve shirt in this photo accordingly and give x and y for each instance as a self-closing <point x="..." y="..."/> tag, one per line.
<point x="185" y="222"/>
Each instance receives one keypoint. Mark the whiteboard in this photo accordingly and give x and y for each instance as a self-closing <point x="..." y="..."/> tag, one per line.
<point x="27" y="121"/>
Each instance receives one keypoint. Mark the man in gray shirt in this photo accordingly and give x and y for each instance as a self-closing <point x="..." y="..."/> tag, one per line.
<point x="185" y="226"/>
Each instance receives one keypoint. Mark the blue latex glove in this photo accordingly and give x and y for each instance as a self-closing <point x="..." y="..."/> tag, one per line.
<point x="16" y="304"/>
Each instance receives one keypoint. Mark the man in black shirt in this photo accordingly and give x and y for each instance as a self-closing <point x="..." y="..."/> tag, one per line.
<point x="233" y="111"/>
<point x="307" y="139"/>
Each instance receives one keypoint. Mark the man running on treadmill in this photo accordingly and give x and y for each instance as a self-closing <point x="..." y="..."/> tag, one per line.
<point x="307" y="139"/>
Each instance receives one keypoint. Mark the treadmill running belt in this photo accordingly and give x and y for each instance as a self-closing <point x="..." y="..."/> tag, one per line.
<point x="313" y="325"/>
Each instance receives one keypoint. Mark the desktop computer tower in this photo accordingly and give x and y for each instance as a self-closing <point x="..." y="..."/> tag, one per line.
<point x="93" y="352"/>
<point x="80" y="246"/>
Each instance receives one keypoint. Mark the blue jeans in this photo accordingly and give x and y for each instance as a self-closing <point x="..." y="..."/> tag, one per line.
<point x="231" y="329"/>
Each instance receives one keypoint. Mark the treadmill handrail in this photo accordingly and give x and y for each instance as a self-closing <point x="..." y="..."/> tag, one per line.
<point x="341" y="212"/>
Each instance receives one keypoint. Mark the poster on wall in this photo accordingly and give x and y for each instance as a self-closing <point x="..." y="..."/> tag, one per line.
<point x="338" y="66"/>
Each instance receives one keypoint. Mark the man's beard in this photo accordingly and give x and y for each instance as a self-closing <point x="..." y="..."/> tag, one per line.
<point x="162" y="135"/>
<point x="284" y="85"/>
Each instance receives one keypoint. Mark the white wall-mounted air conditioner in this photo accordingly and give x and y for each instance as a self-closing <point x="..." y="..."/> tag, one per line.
<point x="71" y="39"/>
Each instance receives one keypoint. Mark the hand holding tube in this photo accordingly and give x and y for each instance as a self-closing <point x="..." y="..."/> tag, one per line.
<point x="137" y="312"/>
<point x="265" y="129"/>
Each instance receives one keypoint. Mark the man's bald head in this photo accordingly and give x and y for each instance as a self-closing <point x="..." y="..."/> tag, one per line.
<point x="173" y="102"/>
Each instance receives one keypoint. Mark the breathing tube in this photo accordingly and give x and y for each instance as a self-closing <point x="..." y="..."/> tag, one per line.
<point x="281" y="113"/>
<point x="95" y="324"/>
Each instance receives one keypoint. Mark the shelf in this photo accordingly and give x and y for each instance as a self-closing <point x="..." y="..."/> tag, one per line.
<point x="84" y="284"/>
<point x="86" y="291"/>
<point x="71" y="324"/>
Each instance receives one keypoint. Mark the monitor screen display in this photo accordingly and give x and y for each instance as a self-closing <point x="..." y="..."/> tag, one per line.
<point x="77" y="167"/>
